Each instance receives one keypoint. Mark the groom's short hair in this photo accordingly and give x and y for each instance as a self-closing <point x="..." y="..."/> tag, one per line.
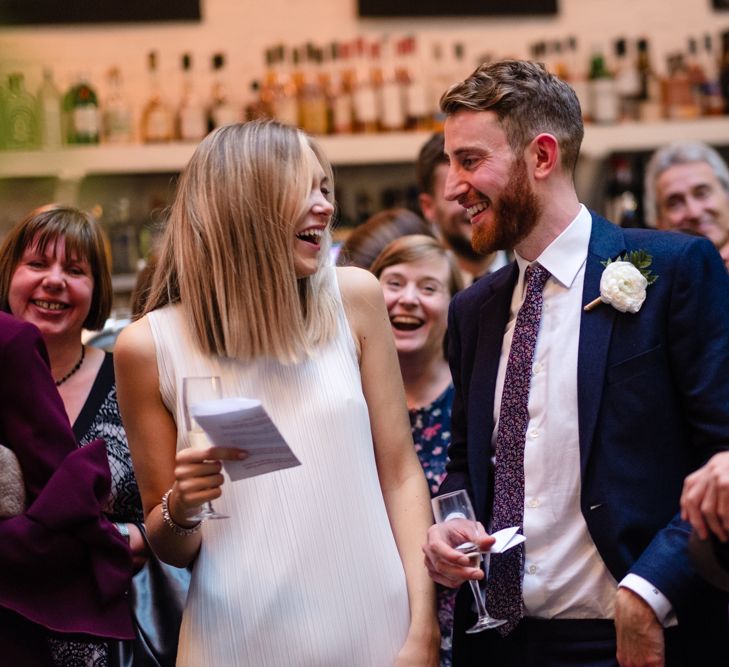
<point x="527" y="99"/>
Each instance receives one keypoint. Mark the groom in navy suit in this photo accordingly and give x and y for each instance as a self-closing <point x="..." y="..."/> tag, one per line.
<point x="579" y="420"/>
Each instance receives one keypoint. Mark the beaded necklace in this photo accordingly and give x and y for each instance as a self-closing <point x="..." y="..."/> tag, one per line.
<point x="74" y="369"/>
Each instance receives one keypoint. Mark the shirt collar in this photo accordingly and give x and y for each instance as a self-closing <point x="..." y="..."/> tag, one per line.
<point x="565" y="256"/>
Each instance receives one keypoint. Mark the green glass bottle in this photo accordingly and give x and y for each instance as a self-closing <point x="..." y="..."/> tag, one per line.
<point x="21" y="120"/>
<point x="81" y="109"/>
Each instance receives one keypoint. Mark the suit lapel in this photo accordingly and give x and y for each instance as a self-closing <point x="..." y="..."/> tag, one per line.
<point x="493" y="316"/>
<point x="596" y="326"/>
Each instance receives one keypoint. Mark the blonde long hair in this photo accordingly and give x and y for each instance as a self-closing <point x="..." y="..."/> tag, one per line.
<point x="228" y="250"/>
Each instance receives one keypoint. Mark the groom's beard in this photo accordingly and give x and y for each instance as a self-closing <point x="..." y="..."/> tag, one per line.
<point x="462" y="246"/>
<point x="516" y="213"/>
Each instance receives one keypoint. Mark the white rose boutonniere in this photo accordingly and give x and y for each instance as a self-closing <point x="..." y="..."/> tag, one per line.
<point x="624" y="281"/>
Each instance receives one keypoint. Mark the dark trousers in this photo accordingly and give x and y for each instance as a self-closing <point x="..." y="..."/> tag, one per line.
<point x="574" y="643"/>
<point x="542" y="643"/>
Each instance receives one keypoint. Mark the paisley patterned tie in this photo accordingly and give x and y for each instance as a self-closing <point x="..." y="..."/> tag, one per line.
<point x="504" y="597"/>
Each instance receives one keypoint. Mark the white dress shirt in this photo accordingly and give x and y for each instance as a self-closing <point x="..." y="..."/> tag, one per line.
<point x="564" y="575"/>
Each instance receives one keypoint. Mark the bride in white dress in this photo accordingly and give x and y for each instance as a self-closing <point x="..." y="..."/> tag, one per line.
<point x="318" y="565"/>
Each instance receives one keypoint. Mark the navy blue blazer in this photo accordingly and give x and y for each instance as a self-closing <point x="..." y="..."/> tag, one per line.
<point x="653" y="399"/>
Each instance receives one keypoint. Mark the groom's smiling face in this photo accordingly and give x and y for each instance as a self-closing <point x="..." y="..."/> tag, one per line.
<point x="489" y="181"/>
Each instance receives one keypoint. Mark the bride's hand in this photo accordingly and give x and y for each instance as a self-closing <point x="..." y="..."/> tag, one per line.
<point x="198" y="478"/>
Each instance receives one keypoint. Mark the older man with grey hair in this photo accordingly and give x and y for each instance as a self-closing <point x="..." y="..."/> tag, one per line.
<point x="687" y="189"/>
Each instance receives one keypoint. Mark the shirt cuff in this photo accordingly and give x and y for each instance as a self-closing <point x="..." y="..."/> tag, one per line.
<point x="658" y="602"/>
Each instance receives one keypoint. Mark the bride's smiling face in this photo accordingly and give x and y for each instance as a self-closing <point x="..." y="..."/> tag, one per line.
<point x="313" y="223"/>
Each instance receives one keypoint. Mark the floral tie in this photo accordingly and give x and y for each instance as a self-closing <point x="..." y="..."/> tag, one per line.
<point x="504" y="597"/>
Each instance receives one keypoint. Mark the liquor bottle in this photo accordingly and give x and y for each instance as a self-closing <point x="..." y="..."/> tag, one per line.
<point x="441" y="81"/>
<point x="624" y="191"/>
<point x="123" y="238"/>
<point x="679" y="100"/>
<point x="81" y="109"/>
<point x="712" y="102"/>
<point x="192" y="124"/>
<point x="157" y="117"/>
<point x="724" y="68"/>
<point x="313" y="117"/>
<point x="279" y="92"/>
<point x="221" y="111"/>
<point x="557" y="61"/>
<point x="627" y="81"/>
<point x="603" y="98"/>
<point x="20" y="115"/>
<point x="50" y="112"/>
<point x="3" y="128"/>
<point x="459" y="63"/>
<point x="418" y="114"/>
<point x="649" y="105"/>
<point x="695" y="70"/>
<point x="339" y="91"/>
<point x="391" y="112"/>
<point x="364" y="89"/>
<point x="255" y="108"/>
<point x="578" y="75"/>
<point x="116" y="116"/>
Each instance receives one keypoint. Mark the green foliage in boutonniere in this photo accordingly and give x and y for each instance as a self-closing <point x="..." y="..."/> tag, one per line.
<point x="640" y="259"/>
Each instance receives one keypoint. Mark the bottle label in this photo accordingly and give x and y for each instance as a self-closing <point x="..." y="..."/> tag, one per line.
<point x="20" y="128"/>
<point x="314" y="115"/>
<point x="85" y="120"/>
<point x="225" y="114"/>
<point x="392" y="116"/>
<point x="193" y="124"/>
<point x="342" y="113"/>
<point x="158" y="126"/>
<point x="365" y="104"/>
<point x="52" y="136"/>
<point x="118" y="126"/>
<point x="416" y="100"/>
<point x="286" y="110"/>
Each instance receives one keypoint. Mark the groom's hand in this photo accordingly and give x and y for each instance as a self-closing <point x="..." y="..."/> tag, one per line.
<point x="445" y="564"/>
<point x="639" y="634"/>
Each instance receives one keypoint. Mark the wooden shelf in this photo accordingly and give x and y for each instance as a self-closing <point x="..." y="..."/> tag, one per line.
<point x="75" y="163"/>
<point x="602" y="140"/>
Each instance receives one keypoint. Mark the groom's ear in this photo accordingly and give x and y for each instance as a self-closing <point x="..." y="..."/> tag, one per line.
<point x="544" y="153"/>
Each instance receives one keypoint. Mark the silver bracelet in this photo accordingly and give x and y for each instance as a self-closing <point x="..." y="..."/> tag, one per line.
<point x="177" y="529"/>
<point x="123" y="530"/>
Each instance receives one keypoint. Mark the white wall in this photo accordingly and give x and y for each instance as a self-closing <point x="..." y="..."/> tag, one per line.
<point x="243" y="28"/>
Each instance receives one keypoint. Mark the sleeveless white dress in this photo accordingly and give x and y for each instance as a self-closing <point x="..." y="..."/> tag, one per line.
<point x="305" y="572"/>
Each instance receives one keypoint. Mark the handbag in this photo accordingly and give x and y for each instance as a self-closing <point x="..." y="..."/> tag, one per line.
<point x="12" y="487"/>
<point x="157" y="598"/>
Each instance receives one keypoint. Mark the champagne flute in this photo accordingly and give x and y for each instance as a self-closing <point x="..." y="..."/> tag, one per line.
<point x="195" y="390"/>
<point x="455" y="509"/>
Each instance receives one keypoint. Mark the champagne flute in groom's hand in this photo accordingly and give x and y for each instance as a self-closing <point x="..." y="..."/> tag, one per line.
<point x="455" y="509"/>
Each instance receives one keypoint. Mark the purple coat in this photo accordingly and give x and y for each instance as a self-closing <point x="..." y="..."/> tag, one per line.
<point x="63" y="565"/>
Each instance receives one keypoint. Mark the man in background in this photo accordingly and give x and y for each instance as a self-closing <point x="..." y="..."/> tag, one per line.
<point x="449" y="219"/>
<point x="687" y="190"/>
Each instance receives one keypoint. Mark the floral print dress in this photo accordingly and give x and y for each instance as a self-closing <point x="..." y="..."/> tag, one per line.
<point x="431" y="428"/>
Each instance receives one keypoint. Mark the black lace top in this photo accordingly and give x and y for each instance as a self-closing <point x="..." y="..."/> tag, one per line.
<point x="100" y="418"/>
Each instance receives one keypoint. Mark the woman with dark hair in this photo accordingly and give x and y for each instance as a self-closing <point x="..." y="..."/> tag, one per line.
<point x="54" y="274"/>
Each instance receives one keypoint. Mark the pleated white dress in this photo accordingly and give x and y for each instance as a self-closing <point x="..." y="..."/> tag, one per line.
<point x="305" y="572"/>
